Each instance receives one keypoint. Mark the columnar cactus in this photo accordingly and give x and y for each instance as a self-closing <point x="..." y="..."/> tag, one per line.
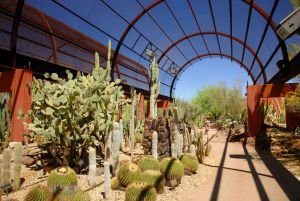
<point x="17" y="166"/>
<point x="5" y="123"/>
<point x="192" y="149"/>
<point x="173" y="151"/>
<point x="5" y="173"/>
<point x="176" y="136"/>
<point x="131" y="128"/>
<point x="154" y="144"/>
<point x="116" y="148"/>
<point x="200" y="148"/>
<point x="180" y="145"/>
<point x="107" y="181"/>
<point x="92" y="167"/>
<point x="121" y="133"/>
<point x="154" y="87"/>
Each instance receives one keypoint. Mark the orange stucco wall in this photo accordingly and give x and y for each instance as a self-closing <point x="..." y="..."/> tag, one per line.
<point x="19" y="83"/>
<point x="255" y="93"/>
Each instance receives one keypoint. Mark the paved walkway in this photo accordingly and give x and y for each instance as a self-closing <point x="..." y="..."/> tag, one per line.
<point x="244" y="174"/>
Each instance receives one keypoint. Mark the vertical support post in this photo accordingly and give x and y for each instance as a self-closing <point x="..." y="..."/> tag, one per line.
<point x="19" y="83"/>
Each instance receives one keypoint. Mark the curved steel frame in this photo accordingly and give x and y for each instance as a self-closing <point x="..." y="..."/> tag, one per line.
<point x="208" y="55"/>
<point x="157" y="2"/>
<point x="216" y="33"/>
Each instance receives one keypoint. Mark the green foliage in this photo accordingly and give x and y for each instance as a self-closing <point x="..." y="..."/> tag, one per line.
<point x="189" y="162"/>
<point x="140" y="191"/>
<point x="148" y="163"/>
<point x="115" y="183"/>
<point x="188" y="112"/>
<point x="72" y="196"/>
<point x="128" y="173"/>
<point x="172" y="168"/>
<point x="5" y="117"/>
<point x="74" y="114"/>
<point x="38" y="193"/>
<point x="61" y="178"/>
<point x="296" y="3"/>
<point x="155" y="178"/>
<point x="220" y="102"/>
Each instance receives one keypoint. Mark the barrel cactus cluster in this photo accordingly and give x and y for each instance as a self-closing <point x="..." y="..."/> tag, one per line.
<point x="61" y="186"/>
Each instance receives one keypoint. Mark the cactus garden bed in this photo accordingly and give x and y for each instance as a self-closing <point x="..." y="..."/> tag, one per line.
<point x="33" y="175"/>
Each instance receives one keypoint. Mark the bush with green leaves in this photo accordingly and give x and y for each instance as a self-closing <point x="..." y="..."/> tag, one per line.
<point x="70" y="115"/>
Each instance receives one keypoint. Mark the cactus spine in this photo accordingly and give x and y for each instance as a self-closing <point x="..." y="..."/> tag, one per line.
<point x="17" y="166"/>
<point x="154" y="145"/>
<point x="5" y="173"/>
<point x="116" y="148"/>
<point x="92" y="167"/>
<point x="107" y="181"/>
<point x="154" y="87"/>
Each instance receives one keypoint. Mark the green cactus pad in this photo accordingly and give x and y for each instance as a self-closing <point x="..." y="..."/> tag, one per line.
<point x="115" y="183"/>
<point x="62" y="177"/>
<point x="140" y="191"/>
<point x="128" y="173"/>
<point x="38" y="193"/>
<point x="172" y="168"/>
<point x="72" y="196"/>
<point x="190" y="163"/>
<point x="154" y="178"/>
<point x="148" y="163"/>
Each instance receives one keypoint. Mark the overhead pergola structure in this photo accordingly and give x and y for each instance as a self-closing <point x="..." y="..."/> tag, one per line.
<point x="180" y="32"/>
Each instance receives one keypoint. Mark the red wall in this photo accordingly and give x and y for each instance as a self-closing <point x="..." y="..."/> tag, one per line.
<point x="15" y="81"/>
<point x="255" y="93"/>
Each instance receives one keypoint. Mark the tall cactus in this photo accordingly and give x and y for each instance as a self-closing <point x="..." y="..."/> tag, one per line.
<point x="192" y="149"/>
<point x="173" y="151"/>
<point x="5" y="116"/>
<point x="154" y="144"/>
<point x="5" y="173"/>
<point x="121" y="128"/>
<point x="131" y="128"/>
<point x="92" y="167"/>
<point x="154" y="87"/>
<point x="180" y="149"/>
<point x="200" y="148"/>
<point x="17" y="166"/>
<point x="176" y="139"/>
<point x="116" y="147"/>
<point x="107" y="181"/>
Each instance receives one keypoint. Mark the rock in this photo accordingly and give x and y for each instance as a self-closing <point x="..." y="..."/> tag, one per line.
<point x="28" y="161"/>
<point x="294" y="146"/>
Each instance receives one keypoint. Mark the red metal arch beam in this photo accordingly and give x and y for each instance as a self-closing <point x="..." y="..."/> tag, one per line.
<point x="211" y="54"/>
<point x="221" y="34"/>
<point x="261" y="11"/>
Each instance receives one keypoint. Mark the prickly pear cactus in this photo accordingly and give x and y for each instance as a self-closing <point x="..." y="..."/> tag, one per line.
<point x="75" y="113"/>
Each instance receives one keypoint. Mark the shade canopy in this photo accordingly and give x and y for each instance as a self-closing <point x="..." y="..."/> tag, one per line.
<point x="180" y="32"/>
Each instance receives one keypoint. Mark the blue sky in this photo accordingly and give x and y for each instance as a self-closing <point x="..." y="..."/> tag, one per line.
<point x="209" y="72"/>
